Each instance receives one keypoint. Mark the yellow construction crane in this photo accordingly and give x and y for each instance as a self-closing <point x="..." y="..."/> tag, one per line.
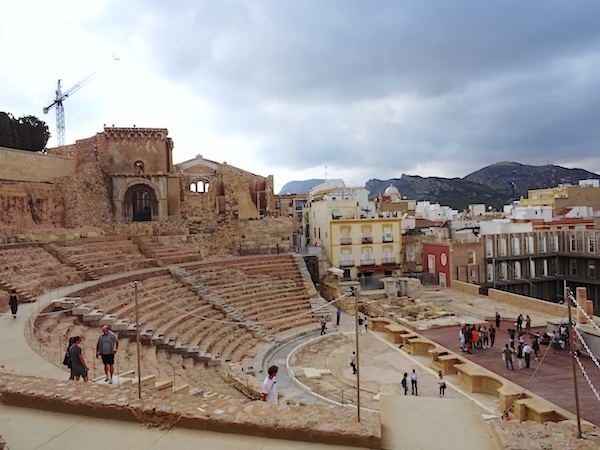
<point x="62" y="96"/>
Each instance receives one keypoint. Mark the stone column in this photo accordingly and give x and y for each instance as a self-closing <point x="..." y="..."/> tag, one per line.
<point x="581" y="298"/>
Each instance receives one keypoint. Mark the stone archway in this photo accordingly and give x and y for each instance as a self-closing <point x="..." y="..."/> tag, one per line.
<point x="140" y="204"/>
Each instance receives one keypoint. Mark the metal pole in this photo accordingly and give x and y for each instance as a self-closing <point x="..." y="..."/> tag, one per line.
<point x="356" y="330"/>
<point x="137" y="339"/>
<point x="573" y="349"/>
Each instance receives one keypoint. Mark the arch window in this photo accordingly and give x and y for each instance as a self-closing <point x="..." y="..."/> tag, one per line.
<point x="199" y="186"/>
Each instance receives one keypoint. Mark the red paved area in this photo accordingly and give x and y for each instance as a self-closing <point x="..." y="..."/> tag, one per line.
<point x="553" y="380"/>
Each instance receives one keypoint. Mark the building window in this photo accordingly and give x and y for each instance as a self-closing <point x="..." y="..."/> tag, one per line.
<point x="532" y="268"/>
<point x="530" y="245"/>
<point x="472" y="259"/>
<point x="573" y="267"/>
<point x="489" y="248"/>
<point x="517" y="269"/>
<point x="593" y="244"/>
<point x="573" y="243"/>
<point x="502" y="270"/>
<point x="545" y="268"/>
<point x="490" y="272"/>
<point x="543" y="248"/>
<point x="591" y="269"/>
<point x="502" y="246"/>
<point x="516" y="245"/>
<point x="431" y="263"/>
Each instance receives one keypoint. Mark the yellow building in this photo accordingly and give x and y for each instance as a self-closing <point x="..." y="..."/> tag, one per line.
<point x="364" y="247"/>
<point x="587" y="193"/>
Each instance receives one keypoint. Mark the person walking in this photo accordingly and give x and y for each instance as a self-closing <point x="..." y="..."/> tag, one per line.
<point x="338" y="315"/>
<point x="441" y="383"/>
<point x="497" y="320"/>
<point x="528" y="324"/>
<point x="492" y="335"/>
<point x="323" y="325"/>
<point x="507" y="353"/>
<point x="527" y="355"/>
<point x="13" y="302"/>
<point x="520" y="323"/>
<point x="535" y="344"/>
<point x="80" y="368"/>
<point x="107" y="346"/>
<point x="414" y="377"/>
<point x="405" y="383"/>
<point x="269" y="390"/>
<point x="353" y="362"/>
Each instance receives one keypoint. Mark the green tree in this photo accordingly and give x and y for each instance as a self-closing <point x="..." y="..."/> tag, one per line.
<point x="6" y="137"/>
<point x="26" y="133"/>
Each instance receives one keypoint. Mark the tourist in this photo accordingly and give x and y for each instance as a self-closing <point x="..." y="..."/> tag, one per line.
<point x="468" y="338"/>
<point x="67" y="361"/>
<point x="527" y="349"/>
<point x="366" y="326"/>
<point x="511" y="338"/>
<point x="486" y="337"/>
<point x="80" y="368"/>
<point x="323" y="325"/>
<point x="360" y="324"/>
<point x="497" y="320"/>
<point x="535" y="344"/>
<point x="507" y="356"/>
<point x="492" y="335"/>
<point x="522" y="338"/>
<point x="520" y="323"/>
<point x="13" y="301"/>
<point x="474" y="337"/>
<point x="528" y="324"/>
<point x="461" y="338"/>
<point x="441" y="383"/>
<point x="556" y="342"/>
<point x="107" y="346"/>
<point x="353" y="362"/>
<point x="405" y="383"/>
<point x="269" y="390"/>
<point x="414" y="376"/>
<point x="338" y="315"/>
<point x="520" y="356"/>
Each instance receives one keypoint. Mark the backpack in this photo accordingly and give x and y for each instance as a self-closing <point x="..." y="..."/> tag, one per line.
<point x="67" y="359"/>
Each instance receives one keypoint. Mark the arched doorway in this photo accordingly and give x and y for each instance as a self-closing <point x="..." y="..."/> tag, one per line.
<point x="140" y="204"/>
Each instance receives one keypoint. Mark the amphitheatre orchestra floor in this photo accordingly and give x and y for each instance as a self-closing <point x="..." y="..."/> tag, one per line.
<point x="382" y="365"/>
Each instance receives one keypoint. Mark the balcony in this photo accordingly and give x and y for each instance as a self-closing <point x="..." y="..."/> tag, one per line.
<point x="346" y="263"/>
<point x="367" y="240"/>
<point x="391" y="260"/>
<point x="388" y="238"/>
<point x="346" y="241"/>
<point x="367" y="262"/>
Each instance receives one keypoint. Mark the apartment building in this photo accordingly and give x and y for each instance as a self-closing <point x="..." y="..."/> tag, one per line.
<point x="538" y="262"/>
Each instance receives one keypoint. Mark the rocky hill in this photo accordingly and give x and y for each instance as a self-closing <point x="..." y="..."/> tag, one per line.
<point x="493" y="185"/>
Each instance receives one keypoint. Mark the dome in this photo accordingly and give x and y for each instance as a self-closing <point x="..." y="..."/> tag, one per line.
<point x="391" y="189"/>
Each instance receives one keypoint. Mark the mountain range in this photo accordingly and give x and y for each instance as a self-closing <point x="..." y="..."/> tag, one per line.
<point x="494" y="185"/>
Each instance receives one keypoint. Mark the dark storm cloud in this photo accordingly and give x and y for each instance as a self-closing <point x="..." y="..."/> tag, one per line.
<point x="384" y="87"/>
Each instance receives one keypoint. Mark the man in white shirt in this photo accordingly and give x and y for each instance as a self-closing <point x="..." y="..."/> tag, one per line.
<point x="414" y="376"/>
<point x="527" y="354"/>
<point x="269" y="391"/>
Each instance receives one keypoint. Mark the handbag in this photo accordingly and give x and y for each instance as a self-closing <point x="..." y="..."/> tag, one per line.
<point x="67" y="359"/>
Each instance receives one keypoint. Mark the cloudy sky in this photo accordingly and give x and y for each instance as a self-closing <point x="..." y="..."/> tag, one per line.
<point x="305" y="89"/>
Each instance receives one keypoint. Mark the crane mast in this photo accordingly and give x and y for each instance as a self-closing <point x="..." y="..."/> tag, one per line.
<point x="62" y="96"/>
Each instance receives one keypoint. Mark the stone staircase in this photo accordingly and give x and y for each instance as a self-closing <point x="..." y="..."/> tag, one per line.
<point x="24" y="296"/>
<point x="59" y="254"/>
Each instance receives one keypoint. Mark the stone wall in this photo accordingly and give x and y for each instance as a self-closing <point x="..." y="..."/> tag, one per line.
<point x="521" y="301"/>
<point x="21" y="165"/>
<point x="468" y="288"/>
<point x="299" y="422"/>
<point x="28" y="205"/>
<point x="263" y="236"/>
